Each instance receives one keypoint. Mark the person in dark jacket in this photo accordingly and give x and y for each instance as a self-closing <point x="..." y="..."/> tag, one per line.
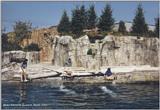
<point x="24" y="73"/>
<point x="108" y="72"/>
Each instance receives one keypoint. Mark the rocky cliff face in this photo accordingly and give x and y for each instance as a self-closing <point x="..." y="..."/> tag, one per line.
<point x="110" y="51"/>
<point x="46" y="53"/>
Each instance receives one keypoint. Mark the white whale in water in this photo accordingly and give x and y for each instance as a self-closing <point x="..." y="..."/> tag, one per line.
<point x="108" y="91"/>
<point x="63" y="89"/>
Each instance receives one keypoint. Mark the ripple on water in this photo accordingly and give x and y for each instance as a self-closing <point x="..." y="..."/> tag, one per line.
<point x="73" y="96"/>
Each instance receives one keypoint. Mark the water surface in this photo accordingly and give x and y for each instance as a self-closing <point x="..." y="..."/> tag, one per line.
<point x="47" y="95"/>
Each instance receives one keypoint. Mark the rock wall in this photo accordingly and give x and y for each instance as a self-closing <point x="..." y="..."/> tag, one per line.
<point x="76" y="50"/>
<point x="37" y="36"/>
<point x="33" y="57"/>
<point x="131" y="51"/>
<point x="111" y="51"/>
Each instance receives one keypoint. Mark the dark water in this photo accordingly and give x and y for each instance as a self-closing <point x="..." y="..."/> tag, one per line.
<point x="46" y="95"/>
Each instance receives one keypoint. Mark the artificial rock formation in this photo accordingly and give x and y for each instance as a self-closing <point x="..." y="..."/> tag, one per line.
<point x="43" y="37"/>
<point x="110" y="51"/>
<point x="67" y="48"/>
<point x="33" y="57"/>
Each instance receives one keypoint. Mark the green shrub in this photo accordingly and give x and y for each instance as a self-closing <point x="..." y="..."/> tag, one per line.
<point x="150" y="34"/>
<point x="100" y="41"/>
<point x="11" y="47"/>
<point x="116" y="33"/>
<point x="93" y="39"/>
<point x="89" y="52"/>
<point x="8" y="46"/>
<point x="32" y="47"/>
<point x="104" y="33"/>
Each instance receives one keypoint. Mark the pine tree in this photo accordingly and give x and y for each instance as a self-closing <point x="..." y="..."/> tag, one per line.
<point x="92" y="18"/>
<point x="77" y="25"/>
<point x="64" y="25"/>
<point x="122" y="27"/>
<point x="106" y="21"/>
<point x="83" y="16"/>
<point x="139" y="26"/>
<point x="156" y="27"/>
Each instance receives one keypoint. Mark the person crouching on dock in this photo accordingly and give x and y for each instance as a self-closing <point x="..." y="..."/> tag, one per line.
<point x="109" y="75"/>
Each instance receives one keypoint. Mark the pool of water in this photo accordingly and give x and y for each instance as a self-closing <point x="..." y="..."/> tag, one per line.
<point x="47" y="95"/>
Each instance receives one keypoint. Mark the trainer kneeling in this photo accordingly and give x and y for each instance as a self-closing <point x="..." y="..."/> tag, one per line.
<point x="109" y="75"/>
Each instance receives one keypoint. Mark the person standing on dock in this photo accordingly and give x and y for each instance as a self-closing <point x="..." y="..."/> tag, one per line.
<point x="24" y="72"/>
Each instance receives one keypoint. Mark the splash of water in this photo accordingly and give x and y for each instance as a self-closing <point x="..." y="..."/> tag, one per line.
<point x="113" y="82"/>
<point x="63" y="89"/>
<point x="108" y="91"/>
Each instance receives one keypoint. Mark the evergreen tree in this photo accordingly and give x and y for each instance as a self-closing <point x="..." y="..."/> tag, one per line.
<point x="64" y="25"/>
<point x="106" y="21"/>
<point x="83" y="16"/>
<point x="139" y="26"/>
<point x="92" y="18"/>
<point x="122" y="27"/>
<point x="77" y="25"/>
<point x="156" y="27"/>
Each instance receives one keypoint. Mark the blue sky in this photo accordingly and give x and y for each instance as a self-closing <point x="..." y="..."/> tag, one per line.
<point x="45" y="14"/>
